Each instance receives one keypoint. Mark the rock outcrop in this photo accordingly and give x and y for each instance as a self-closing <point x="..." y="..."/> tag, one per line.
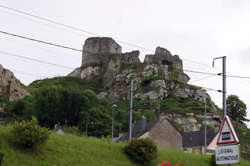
<point x="160" y="75"/>
<point x="10" y="87"/>
<point x="103" y="59"/>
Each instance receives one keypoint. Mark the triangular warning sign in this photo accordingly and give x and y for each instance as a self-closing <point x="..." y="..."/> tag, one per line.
<point x="227" y="134"/>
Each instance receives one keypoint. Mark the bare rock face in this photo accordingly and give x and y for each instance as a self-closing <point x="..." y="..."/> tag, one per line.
<point x="159" y="75"/>
<point x="10" y="87"/>
<point x="164" y="57"/>
<point x="98" y="50"/>
<point x="130" y="57"/>
<point x="190" y="121"/>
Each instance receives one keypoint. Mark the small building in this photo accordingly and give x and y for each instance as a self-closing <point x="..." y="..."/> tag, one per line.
<point x="161" y="131"/>
<point x="194" y="141"/>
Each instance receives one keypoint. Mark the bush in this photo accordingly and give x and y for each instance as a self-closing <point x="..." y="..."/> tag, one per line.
<point x="28" y="134"/>
<point x="212" y="160"/>
<point x="142" y="151"/>
<point x="72" y="130"/>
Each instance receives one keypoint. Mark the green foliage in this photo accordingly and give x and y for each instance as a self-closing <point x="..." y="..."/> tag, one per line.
<point x="178" y="105"/>
<point x="121" y="114"/>
<point x="67" y="103"/>
<point x="72" y="130"/>
<point x="68" y="149"/>
<point x="142" y="151"/>
<point x="150" y="115"/>
<point x="21" y="109"/>
<point x="175" y="73"/>
<point x="212" y="160"/>
<point x="28" y="134"/>
<point x="177" y="125"/>
<point x="236" y="109"/>
<point x="67" y="83"/>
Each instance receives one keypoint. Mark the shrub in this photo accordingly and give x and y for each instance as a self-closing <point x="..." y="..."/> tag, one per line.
<point x="212" y="160"/>
<point x="28" y="134"/>
<point x="72" y="130"/>
<point x="142" y="151"/>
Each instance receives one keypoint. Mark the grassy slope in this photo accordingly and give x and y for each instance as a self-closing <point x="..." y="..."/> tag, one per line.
<point x="171" y="104"/>
<point x="70" y="150"/>
<point x="67" y="82"/>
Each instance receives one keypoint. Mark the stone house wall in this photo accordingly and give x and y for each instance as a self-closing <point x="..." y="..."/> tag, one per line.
<point x="165" y="135"/>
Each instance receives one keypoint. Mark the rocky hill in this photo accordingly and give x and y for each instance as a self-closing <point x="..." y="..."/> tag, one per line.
<point x="158" y="82"/>
<point x="10" y="88"/>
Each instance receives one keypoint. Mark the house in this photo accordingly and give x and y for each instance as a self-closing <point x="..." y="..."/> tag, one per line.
<point x="161" y="131"/>
<point x="194" y="141"/>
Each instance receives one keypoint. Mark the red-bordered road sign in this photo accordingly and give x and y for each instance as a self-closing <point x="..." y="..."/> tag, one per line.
<point x="227" y="134"/>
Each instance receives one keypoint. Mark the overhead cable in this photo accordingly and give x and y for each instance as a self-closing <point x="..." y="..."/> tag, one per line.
<point x="40" y="41"/>
<point x="67" y="26"/>
<point x="74" y="49"/>
<point x="33" y="59"/>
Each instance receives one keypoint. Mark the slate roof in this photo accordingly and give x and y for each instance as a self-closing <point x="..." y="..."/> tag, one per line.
<point x="197" y="138"/>
<point x="138" y="128"/>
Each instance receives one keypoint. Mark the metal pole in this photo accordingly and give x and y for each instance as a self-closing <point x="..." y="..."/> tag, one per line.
<point x="86" y="128"/>
<point x="112" y="136"/>
<point x="223" y="84"/>
<point x="224" y="88"/>
<point x="205" y="143"/>
<point x="130" y="108"/>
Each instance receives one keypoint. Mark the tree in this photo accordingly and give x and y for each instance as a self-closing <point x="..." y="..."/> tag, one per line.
<point x="236" y="108"/>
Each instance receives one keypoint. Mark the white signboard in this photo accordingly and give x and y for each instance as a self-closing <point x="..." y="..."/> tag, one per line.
<point x="228" y="154"/>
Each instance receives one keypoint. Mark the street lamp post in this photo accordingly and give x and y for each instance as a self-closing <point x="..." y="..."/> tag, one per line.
<point x="114" y="106"/>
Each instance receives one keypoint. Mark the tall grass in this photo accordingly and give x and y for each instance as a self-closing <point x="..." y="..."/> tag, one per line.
<point x="72" y="150"/>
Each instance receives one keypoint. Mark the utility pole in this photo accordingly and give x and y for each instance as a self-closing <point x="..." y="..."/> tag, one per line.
<point x="130" y="108"/>
<point x="224" y="86"/>
<point x="205" y="143"/>
<point x="223" y="83"/>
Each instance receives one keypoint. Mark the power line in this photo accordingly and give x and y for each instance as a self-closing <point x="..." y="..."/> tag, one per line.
<point x="40" y="41"/>
<point x="67" y="26"/>
<point x="213" y="74"/>
<point x="201" y="79"/>
<point x="34" y="46"/>
<point x="74" y="49"/>
<point x="83" y="31"/>
<point x="27" y="73"/>
<point x="211" y="89"/>
<point x="33" y="59"/>
<point x="199" y="72"/>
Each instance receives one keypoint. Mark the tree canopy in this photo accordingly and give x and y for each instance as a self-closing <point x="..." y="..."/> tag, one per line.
<point x="236" y="108"/>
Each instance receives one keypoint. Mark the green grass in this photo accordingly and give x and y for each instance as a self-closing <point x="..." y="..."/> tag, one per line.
<point x="67" y="82"/>
<point x="182" y="106"/>
<point x="71" y="150"/>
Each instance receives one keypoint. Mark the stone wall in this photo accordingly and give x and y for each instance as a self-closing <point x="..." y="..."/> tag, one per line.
<point x="130" y="57"/>
<point x="98" y="49"/>
<point x="163" y="57"/>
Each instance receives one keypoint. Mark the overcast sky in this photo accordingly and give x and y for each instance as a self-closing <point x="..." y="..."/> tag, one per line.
<point x="196" y="30"/>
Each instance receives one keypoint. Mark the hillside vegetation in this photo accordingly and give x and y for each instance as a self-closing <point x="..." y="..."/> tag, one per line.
<point x="67" y="150"/>
<point x="65" y="100"/>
